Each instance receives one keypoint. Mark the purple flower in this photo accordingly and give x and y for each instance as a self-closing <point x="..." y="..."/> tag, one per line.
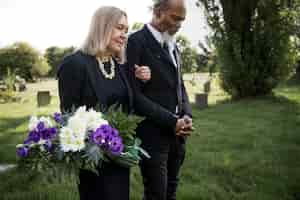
<point x="98" y="137"/>
<point x="116" y="146"/>
<point x="58" y="117"/>
<point x="22" y="152"/>
<point x="41" y="126"/>
<point x="49" y="133"/>
<point x="27" y="141"/>
<point x="107" y="129"/>
<point x="34" y="136"/>
<point x="115" y="132"/>
<point x="53" y="131"/>
<point x="48" y="145"/>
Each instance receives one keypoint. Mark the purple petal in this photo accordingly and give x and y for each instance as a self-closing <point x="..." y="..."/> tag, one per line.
<point x="34" y="136"/>
<point x="41" y="126"/>
<point x="22" y="152"/>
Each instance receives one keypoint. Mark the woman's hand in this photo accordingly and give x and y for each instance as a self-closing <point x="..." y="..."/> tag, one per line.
<point x="143" y="73"/>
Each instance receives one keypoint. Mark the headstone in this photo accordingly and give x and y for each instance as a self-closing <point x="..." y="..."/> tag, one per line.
<point x="207" y="86"/>
<point x="201" y="100"/>
<point x="43" y="98"/>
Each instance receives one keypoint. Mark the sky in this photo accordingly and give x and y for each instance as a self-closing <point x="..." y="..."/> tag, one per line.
<point x="45" y="23"/>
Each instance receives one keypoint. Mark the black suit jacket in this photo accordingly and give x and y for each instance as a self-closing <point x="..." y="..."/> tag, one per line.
<point x="157" y="98"/>
<point x="79" y="83"/>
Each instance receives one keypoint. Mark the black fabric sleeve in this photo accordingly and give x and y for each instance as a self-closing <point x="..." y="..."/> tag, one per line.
<point x="70" y="82"/>
<point x="143" y="105"/>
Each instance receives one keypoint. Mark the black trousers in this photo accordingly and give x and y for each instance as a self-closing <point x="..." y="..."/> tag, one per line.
<point x="111" y="184"/>
<point x="161" y="172"/>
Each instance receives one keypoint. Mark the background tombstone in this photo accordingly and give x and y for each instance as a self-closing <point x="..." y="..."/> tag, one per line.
<point x="43" y="98"/>
<point x="201" y="100"/>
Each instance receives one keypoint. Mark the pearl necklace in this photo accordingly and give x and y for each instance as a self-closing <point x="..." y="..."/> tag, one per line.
<point x="103" y="71"/>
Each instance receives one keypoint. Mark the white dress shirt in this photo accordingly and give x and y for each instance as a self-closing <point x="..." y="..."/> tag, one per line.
<point x="164" y="37"/>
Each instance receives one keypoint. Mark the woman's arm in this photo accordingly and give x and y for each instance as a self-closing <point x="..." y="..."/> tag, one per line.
<point x="70" y="81"/>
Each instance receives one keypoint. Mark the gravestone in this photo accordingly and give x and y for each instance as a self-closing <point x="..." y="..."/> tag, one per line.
<point x="207" y="86"/>
<point x="201" y="100"/>
<point x="43" y="98"/>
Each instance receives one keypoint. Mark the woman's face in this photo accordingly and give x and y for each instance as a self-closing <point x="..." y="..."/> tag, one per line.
<point x="118" y="37"/>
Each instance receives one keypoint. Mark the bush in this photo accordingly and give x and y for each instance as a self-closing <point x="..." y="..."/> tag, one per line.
<point x="253" y="43"/>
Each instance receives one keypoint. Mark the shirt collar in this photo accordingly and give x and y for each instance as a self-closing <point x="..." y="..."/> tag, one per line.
<point x="157" y="35"/>
<point x="171" y="41"/>
<point x="162" y="37"/>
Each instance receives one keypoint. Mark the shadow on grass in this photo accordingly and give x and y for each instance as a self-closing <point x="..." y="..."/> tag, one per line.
<point x="8" y="123"/>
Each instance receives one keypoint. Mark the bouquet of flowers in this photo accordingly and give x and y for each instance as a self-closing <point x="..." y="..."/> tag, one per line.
<point x="82" y="139"/>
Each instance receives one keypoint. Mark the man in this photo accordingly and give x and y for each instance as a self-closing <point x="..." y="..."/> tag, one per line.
<point x="166" y="106"/>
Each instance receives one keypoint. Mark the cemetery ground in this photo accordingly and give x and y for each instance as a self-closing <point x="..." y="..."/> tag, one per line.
<point x="247" y="149"/>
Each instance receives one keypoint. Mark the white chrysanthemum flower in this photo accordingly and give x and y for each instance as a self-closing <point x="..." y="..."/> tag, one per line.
<point x="73" y="144"/>
<point x="66" y="132"/>
<point x="78" y="126"/>
<point x="47" y="121"/>
<point x="95" y="120"/>
<point x="33" y="122"/>
<point x="81" y="112"/>
<point x="69" y="142"/>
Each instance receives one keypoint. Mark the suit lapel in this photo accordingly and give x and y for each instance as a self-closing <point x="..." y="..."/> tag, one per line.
<point x="157" y="48"/>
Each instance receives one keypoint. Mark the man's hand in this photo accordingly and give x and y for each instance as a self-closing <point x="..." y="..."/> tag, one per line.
<point x="143" y="73"/>
<point x="184" y="126"/>
<point x="179" y="125"/>
<point x="188" y="123"/>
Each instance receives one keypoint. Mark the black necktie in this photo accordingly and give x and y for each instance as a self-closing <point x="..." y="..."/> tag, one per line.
<point x="179" y="88"/>
<point x="166" y="48"/>
<point x="179" y="91"/>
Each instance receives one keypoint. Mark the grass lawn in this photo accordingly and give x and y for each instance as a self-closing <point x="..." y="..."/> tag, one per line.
<point x="246" y="150"/>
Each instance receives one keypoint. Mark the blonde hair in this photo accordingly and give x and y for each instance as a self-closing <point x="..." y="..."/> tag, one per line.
<point x="103" y="21"/>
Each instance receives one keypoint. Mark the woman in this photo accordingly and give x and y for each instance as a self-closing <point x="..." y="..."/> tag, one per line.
<point x="93" y="76"/>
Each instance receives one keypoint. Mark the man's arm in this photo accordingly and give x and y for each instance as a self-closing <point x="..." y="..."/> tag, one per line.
<point x="187" y="110"/>
<point x="143" y="105"/>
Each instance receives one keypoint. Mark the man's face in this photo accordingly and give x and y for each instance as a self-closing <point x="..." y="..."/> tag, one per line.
<point x="172" y="18"/>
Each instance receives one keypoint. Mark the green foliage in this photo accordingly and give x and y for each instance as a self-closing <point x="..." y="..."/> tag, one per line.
<point x="10" y="79"/>
<point x="137" y="26"/>
<point x="40" y="68"/>
<point x="20" y="58"/>
<point x="54" y="55"/>
<point x="253" y="44"/>
<point x="207" y="61"/>
<point x="189" y="55"/>
<point x="124" y="123"/>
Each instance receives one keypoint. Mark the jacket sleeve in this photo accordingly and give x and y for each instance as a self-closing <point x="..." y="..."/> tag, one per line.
<point x="143" y="105"/>
<point x="70" y="81"/>
<point x="187" y="110"/>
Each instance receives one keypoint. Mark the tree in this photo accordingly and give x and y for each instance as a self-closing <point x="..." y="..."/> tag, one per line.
<point x="207" y="59"/>
<point x="297" y="37"/>
<point x="137" y="26"/>
<point x="20" y="57"/>
<point x="54" y="56"/>
<point x="40" y="68"/>
<point x="253" y="43"/>
<point x="189" y="55"/>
